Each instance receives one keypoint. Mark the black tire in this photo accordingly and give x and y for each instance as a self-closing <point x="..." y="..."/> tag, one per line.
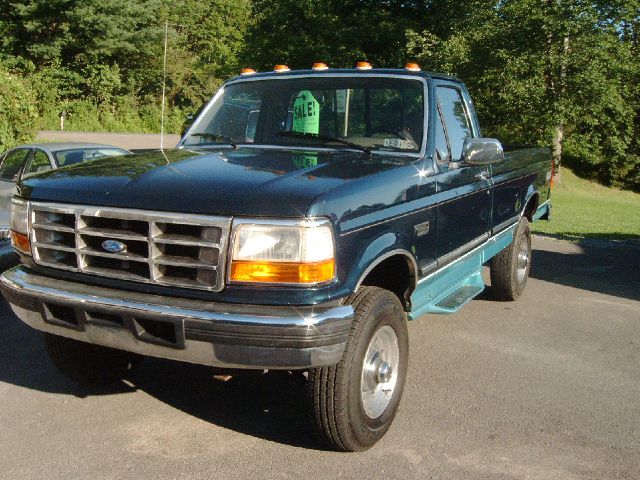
<point x="510" y="268"/>
<point x="335" y="392"/>
<point x="88" y="364"/>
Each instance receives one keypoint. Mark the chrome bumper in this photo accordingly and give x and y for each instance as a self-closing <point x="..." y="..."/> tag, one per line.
<point x="196" y="331"/>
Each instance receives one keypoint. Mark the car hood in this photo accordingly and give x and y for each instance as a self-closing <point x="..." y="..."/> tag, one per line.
<point x="245" y="181"/>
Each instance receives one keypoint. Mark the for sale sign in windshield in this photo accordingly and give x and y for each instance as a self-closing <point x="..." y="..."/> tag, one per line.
<point x="306" y="113"/>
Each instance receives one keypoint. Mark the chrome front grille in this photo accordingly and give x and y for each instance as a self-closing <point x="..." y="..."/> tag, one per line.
<point x="157" y="247"/>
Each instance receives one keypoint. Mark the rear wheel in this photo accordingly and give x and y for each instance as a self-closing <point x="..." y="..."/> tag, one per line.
<point x="88" y="364"/>
<point x="355" y="402"/>
<point x="510" y="268"/>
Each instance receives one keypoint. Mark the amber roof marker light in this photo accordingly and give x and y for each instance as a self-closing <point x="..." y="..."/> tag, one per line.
<point x="319" y="66"/>
<point x="363" y="66"/>
<point x="412" y="67"/>
<point x="281" y="69"/>
<point x="247" y="71"/>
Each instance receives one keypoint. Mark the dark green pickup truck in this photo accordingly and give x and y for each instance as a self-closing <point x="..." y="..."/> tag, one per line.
<point x="303" y="219"/>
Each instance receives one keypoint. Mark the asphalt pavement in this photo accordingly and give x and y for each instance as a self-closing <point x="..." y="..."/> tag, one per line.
<point x="547" y="387"/>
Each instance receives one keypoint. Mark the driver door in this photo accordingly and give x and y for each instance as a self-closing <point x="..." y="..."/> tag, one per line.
<point x="464" y="210"/>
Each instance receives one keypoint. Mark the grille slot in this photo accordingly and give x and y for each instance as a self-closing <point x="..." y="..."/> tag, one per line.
<point x="144" y="246"/>
<point x="114" y="227"/>
<point x="54" y="220"/>
<point x="109" y="267"/>
<point x="55" y="238"/>
<point x="57" y="257"/>
<point x="187" y="234"/>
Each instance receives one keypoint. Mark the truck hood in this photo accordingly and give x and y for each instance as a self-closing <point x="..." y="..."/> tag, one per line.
<point x="246" y="181"/>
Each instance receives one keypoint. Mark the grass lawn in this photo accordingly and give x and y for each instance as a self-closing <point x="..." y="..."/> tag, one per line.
<point x="584" y="209"/>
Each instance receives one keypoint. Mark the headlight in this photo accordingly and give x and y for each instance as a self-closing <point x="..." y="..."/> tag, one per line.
<point x="296" y="253"/>
<point x="20" y="225"/>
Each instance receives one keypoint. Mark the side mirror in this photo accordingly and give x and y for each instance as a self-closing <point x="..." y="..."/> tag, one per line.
<point x="186" y="125"/>
<point x="482" y="151"/>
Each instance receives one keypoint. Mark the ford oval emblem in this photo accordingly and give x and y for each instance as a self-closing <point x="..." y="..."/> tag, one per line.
<point x="114" y="246"/>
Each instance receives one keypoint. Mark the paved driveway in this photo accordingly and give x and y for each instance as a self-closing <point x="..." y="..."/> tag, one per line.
<point x="546" y="388"/>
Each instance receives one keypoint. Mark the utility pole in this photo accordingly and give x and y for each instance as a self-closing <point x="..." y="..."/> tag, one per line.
<point x="164" y="83"/>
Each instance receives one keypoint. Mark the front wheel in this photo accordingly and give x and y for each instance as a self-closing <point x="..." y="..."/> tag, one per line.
<point x="510" y="268"/>
<point x="355" y="402"/>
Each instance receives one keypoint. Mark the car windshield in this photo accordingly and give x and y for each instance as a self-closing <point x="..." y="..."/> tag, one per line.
<point x="369" y="113"/>
<point x="79" y="155"/>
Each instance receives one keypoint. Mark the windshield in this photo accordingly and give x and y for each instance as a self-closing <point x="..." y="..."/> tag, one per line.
<point x="371" y="113"/>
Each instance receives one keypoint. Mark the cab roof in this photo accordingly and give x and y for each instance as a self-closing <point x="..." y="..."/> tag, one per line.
<point x="345" y="71"/>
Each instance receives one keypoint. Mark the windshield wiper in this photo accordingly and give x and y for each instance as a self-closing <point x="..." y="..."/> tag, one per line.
<point x="214" y="136"/>
<point x="324" y="138"/>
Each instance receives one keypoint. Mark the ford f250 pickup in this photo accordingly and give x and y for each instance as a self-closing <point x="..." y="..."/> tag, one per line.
<point x="304" y="217"/>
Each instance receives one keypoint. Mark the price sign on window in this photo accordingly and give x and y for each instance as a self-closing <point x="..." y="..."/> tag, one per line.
<point x="306" y="113"/>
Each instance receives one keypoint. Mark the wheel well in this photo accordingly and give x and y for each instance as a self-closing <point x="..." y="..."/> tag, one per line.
<point x="531" y="207"/>
<point x="396" y="274"/>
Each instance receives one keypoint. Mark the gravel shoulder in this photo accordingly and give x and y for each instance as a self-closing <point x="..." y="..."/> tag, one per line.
<point x="123" y="140"/>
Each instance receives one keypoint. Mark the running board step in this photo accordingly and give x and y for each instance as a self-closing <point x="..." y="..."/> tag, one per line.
<point x="453" y="298"/>
<point x="445" y="290"/>
<point x="458" y="298"/>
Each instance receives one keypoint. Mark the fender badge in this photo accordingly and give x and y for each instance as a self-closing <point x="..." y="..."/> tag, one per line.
<point x="114" y="246"/>
<point x="421" y="229"/>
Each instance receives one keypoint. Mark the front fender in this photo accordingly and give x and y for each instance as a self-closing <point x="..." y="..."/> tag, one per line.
<point x="368" y="251"/>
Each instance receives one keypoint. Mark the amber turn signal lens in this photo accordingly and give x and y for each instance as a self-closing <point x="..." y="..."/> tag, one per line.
<point x="20" y="242"/>
<point x="282" y="272"/>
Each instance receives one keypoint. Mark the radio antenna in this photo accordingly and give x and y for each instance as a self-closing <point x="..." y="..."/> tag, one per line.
<point x="164" y="83"/>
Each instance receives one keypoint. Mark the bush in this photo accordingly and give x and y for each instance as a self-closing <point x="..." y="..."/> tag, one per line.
<point x="124" y="114"/>
<point x="18" y="114"/>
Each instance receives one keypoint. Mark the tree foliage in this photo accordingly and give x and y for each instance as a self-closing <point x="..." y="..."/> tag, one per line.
<point x="17" y="110"/>
<point x="562" y="73"/>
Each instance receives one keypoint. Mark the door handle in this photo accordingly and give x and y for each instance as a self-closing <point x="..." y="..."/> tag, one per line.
<point x="483" y="175"/>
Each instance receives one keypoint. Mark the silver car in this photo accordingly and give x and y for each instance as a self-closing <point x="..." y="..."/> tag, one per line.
<point x="27" y="160"/>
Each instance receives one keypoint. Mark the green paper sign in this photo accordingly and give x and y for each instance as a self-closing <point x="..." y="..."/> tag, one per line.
<point x="306" y="113"/>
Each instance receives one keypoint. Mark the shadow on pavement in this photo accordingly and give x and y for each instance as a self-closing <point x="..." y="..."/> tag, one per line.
<point x="24" y="360"/>
<point x="610" y="271"/>
<point x="268" y="406"/>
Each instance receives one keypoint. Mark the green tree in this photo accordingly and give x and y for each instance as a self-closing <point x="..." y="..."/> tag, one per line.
<point x="206" y="39"/>
<point x="299" y="32"/>
<point x="18" y="114"/>
<point x="92" y="31"/>
<point x="555" y="72"/>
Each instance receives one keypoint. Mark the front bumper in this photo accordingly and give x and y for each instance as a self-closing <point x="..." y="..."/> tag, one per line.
<point x="196" y="331"/>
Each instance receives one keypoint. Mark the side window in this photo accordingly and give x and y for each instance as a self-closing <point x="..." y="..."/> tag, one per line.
<point x="456" y="119"/>
<point x="12" y="163"/>
<point x="442" y="146"/>
<point x="69" y="157"/>
<point x="39" y="163"/>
